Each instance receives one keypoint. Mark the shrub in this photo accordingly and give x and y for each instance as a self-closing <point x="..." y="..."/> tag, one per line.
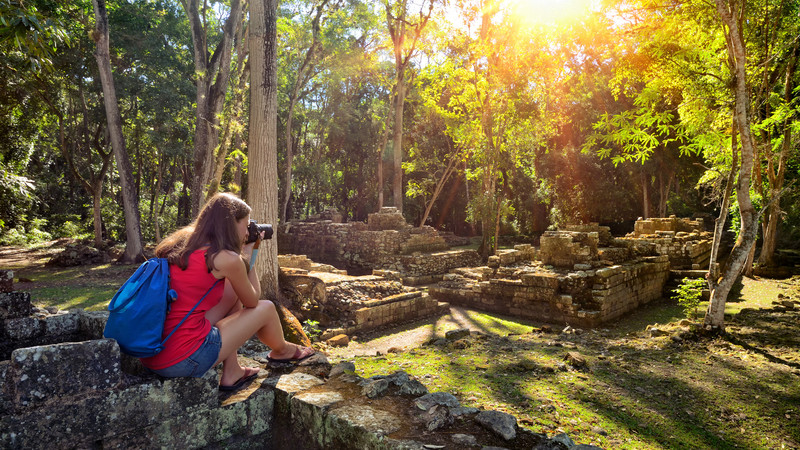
<point x="312" y="330"/>
<point x="688" y="295"/>
<point x="73" y="230"/>
<point x="20" y="236"/>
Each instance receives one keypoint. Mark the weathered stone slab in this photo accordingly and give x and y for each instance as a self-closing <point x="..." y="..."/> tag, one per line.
<point x="61" y="324"/>
<point x="294" y="382"/>
<point x="500" y="423"/>
<point x="42" y="373"/>
<point x="428" y="401"/>
<point x="14" y="305"/>
<point x="24" y="328"/>
<point x="371" y="419"/>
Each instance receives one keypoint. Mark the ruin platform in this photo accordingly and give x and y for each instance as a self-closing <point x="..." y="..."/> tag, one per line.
<point x="586" y="298"/>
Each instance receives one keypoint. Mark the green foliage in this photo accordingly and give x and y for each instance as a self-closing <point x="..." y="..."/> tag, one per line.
<point x="312" y="330"/>
<point x="31" y="31"/>
<point x="72" y="230"/>
<point x="513" y="104"/>
<point x="688" y="295"/>
<point x="33" y="233"/>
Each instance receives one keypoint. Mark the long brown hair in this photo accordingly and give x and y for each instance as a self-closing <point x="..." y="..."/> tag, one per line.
<point x="215" y="226"/>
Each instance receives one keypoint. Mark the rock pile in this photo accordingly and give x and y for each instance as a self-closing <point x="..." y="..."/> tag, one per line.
<point x="349" y="294"/>
<point x="78" y="254"/>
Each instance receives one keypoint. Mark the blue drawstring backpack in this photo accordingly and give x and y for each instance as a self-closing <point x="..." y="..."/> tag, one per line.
<point x="139" y="308"/>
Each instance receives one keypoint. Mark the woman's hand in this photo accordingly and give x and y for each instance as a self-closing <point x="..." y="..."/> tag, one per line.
<point x="247" y="249"/>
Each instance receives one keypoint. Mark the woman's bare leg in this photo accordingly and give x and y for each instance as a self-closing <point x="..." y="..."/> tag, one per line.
<point x="229" y="304"/>
<point x="240" y="326"/>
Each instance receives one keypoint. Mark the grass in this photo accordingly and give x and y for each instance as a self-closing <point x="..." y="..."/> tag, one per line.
<point x="88" y="287"/>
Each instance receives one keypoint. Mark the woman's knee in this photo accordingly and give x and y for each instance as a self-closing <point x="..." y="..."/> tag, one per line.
<point x="266" y="307"/>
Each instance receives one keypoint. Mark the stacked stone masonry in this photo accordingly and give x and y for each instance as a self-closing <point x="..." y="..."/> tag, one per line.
<point x="364" y="304"/>
<point x="674" y="224"/>
<point x="385" y="242"/>
<point x="684" y="241"/>
<point x="571" y="278"/>
<point x="584" y="298"/>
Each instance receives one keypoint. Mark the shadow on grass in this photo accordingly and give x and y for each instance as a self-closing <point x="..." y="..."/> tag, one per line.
<point x="88" y="287"/>
<point x="702" y="395"/>
<point x="765" y="328"/>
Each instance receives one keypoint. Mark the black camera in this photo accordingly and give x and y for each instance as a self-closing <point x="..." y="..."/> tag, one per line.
<point x="254" y="229"/>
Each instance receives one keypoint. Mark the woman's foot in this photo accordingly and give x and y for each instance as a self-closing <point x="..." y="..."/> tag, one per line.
<point x="290" y="353"/>
<point x="230" y="382"/>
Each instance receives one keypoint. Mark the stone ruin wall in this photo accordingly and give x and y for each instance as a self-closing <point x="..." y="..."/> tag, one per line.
<point x="685" y="241"/>
<point x="386" y="242"/>
<point x="385" y="311"/>
<point x="84" y="393"/>
<point x="349" y="305"/>
<point x="574" y="281"/>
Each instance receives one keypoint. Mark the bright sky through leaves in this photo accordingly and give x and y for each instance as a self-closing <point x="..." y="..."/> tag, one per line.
<point x="549" y="12"/>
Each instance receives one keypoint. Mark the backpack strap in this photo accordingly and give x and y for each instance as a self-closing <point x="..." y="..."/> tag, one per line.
<point x="190" y="312"/>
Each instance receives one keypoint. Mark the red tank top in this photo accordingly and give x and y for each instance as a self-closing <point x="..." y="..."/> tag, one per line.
<point x="190" y="284"/>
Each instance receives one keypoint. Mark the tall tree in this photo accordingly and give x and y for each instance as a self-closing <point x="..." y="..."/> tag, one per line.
<point x="405" y="33"/>
<point x="731" y="14"/>
<point x="262" y="146"/>
<point x="80" y="145"/>
<point x="302" y="76"/>
<point x="212" y="72"/>
<point x="263" y="153"/>
<point x="775" y="110"/>
<point x="134" y="250"/>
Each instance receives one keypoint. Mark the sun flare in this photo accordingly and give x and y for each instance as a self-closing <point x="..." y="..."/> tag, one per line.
<point x="550" y="11"/>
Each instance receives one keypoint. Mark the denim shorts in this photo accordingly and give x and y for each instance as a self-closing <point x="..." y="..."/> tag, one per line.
<point x="198" y="363"/>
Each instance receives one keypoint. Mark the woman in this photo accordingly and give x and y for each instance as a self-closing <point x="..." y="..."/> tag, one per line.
<point x="210" y="249"/>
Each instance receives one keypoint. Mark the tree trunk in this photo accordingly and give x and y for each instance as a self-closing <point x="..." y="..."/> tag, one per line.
<point x="97" y="217"/>
<point x="497" y="227"/>
<point x="287" y="186"/>
<point x="382" y="147"/>
<point x="134" y="250"/>
<point x="212" y="72"/>
<point x="232" y="113"/>
<point x="767" y="255"/>
<point x="397" y="143"/>
<point x="302" y="77"/>
<point x="715" y="315"/>
<point x="263" y="150"/>
<point x="262" y="145"/>
<point x="156" y="191"/>
<point x="451" y="165"/>
<point x="664" y="190"/>
<point x="747" y="270"/>
<point x="93" y="186"/>
<point x="405" y="34"/>
<point x="645" y="195"/>
<point x="448" y="203"/>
